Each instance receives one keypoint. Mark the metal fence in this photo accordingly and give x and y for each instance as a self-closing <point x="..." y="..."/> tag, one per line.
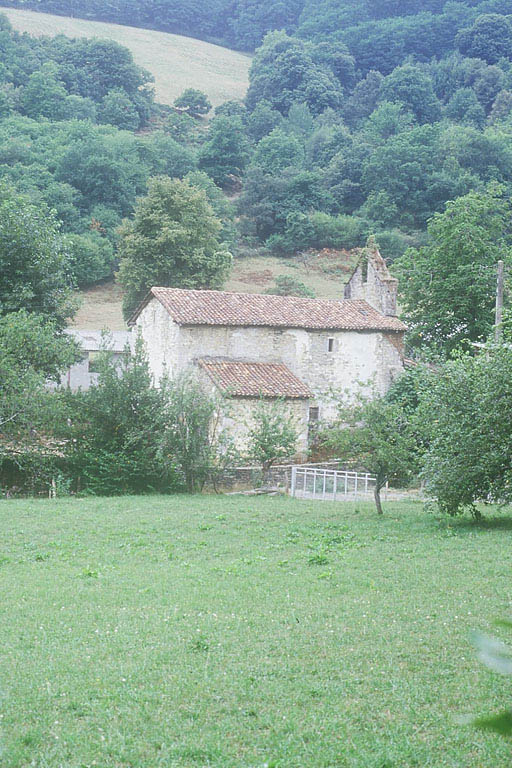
<point x="330" y="485"/>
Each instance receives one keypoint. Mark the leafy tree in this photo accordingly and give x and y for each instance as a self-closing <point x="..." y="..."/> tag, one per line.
<point x="283" y="72"/>
<point x="172" y="240"/>
<point x="413" y="88"/>
<point x="272" y="435"/>
<point x="262" y="120"/>
<point x="490" y="38"/>
<point x="34" y="263"/>
<point x="465" y="108"/>
<point x="286" y="285"/>
<point x="192" y="437"/>
<point x="226" y="152"/>
<point x="117" y="109"/>
<point x="278" y="151"/>
<point x="32" y="349"/>
<point x="469" y="455"/>
<point x="447" y="287"/>
<point x="113" y="430"/>
<point x="378" y="435"/>
<point x="91" y="258"/>
<point x="194" y="101"/>
<point x="44" y="94"/>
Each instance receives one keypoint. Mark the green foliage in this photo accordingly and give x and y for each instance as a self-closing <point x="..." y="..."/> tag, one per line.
<point x="194" y="101"/>
<point x="469" y="447"/>
<point x="32" y="349"/>
<point x="226" y="151"/>
<point x="173" y="240"/>
<point x="377" y="435"/>
<point x="272" y="434"/>
<point x="286" y="285"/>
<point x="490" y="38"/>
<point x="35" y="272"/>
<point x="91" y="258"/>
<point x="413" y="88"/>
<point x="117" y="109"/>
<point x="278" y="151"/>
<point x="447" y="287"/>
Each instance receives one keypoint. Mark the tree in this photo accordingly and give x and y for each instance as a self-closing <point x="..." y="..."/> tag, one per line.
<point x="490" y="38"/>
<point x="45" y="95"/>
<point x="226" y="152"/>
<point x="413" y="88"/>
<point x="286" y="285"/>
<point x="32" y="349"/>
<point x="470" y="454"/>
<point x="34" y="263"/>
<point x="172" y="241"/>
<point x="464" y="107"/>
<point x="447" y="287"/>
<point x="117" y="109"/>
<point x="195" y="102"/>
<point x="278" y="151"/>
<point x="192" y="437"/>
<point x="378" y="435"/>
<point x="272" y="434"/>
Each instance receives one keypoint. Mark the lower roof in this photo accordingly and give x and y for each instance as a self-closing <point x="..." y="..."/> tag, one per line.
<point x="247" y="379"/>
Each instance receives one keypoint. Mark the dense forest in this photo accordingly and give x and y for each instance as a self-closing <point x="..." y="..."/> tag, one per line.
<point x="346" y="131"/>
<point x="377" y="32"/>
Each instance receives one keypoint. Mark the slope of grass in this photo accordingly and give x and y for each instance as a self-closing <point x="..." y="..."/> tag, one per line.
<point x="325" y="273"/>
<point x="245" y="632"/>
<point x="176" y="62"/>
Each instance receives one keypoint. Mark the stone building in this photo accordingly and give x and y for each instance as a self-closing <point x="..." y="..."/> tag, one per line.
<point x="301" y="350"/>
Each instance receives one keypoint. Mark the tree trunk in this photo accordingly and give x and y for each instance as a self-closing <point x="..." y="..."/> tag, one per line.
<point x="376" y="495"/>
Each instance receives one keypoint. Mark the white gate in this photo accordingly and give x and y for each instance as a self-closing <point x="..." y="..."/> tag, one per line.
<point x="330" y="484"/>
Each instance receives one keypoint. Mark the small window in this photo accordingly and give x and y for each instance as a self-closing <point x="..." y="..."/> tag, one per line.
<point x="314" y="413"/>
<point x="330" y="345"/>
<point x="93" y="362"/>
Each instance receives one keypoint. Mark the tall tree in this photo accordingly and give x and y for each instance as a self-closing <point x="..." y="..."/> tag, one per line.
<point x="448" y="286"/>
<point x="173" y="240"/>
<point x="35" y="272"/>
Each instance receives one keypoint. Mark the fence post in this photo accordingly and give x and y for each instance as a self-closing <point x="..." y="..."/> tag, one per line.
<point x="366" y="483"/>
<point x="355" y="487"/>
<point x="294" y="480"/>
<point x="325" y="479"/>
<point x="334" y="486"/>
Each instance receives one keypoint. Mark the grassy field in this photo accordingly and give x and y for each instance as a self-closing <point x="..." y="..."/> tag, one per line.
<point x="246" y="632"/>
<point x="176" y="62"/>
<point x="325" y="273"/>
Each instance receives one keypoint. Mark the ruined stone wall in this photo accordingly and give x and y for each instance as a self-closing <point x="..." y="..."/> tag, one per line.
<point x="372" y="282"/>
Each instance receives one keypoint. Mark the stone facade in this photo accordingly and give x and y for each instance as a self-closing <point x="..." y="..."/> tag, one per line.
<point x="337" y="349"/>
<point x="329" y="362"/>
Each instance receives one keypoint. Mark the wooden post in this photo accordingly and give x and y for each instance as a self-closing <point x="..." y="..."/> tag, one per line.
<point x="294" y="481"/>
<point x="499" y="303"/>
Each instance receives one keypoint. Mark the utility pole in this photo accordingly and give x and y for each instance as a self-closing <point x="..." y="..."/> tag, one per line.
<point x="499" y="303"/>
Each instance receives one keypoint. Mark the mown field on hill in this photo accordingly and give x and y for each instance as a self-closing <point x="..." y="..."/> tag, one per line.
<point x="246" y="632"/>
<point x="176" y="62"/>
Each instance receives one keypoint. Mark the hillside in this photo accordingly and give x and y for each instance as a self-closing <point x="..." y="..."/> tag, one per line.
<point x="324" y="273"/>
<point x="176" y="62"/>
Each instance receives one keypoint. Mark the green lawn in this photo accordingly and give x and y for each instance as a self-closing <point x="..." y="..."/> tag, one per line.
<point x="247" y="632"/>
<point x="177" y="62"/>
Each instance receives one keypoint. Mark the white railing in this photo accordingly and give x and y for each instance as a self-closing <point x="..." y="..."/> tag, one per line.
<point x="330" y="484"/>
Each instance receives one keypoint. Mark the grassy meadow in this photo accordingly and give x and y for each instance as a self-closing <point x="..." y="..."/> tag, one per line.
<point x="238" y="632"/>
<point x="176" y="62"/>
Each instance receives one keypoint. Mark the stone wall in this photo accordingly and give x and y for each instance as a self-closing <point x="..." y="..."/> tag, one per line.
<point x="240" y="420"/>
<point x="372" y="282"/>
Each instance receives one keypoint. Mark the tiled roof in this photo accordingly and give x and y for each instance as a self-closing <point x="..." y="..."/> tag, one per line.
<point x="253" y="309"/>
<point x="254" y="379"/>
